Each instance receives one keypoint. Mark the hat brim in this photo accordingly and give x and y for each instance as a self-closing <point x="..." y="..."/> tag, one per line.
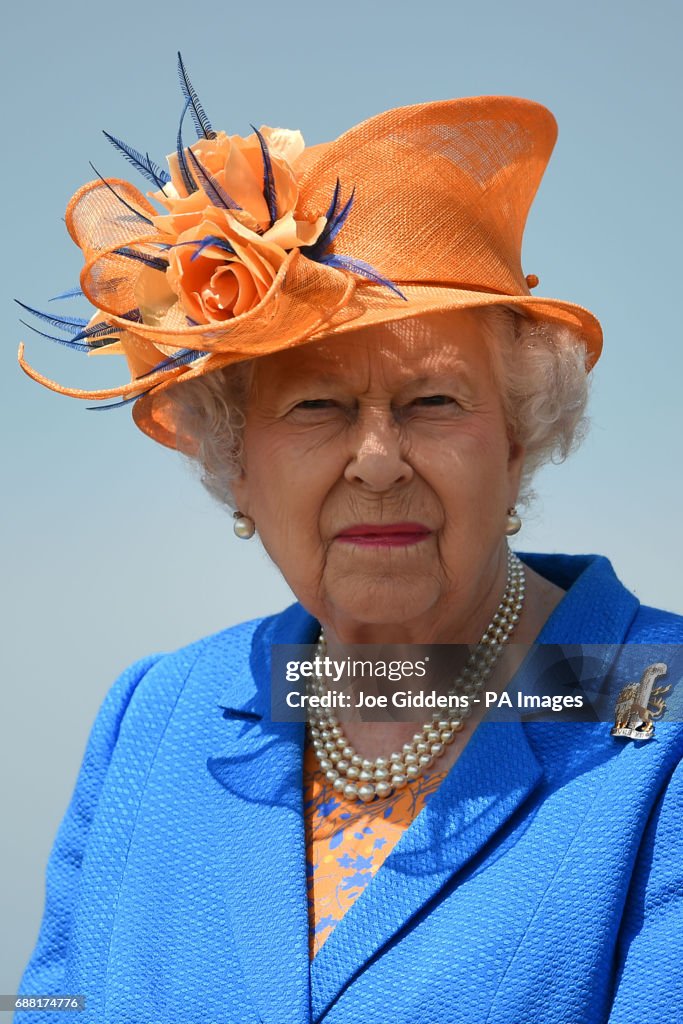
<point x="155" y="412"/>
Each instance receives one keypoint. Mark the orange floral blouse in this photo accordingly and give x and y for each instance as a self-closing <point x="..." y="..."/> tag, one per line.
<point x="348" y="841"/>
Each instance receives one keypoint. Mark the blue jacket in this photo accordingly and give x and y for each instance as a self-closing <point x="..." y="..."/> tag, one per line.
<point x="542" y="884"/>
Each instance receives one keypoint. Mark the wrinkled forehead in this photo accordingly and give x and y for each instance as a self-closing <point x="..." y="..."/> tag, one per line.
<point x="443" y="343"/>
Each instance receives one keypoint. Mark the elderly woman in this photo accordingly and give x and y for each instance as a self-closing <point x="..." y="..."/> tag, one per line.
<point x="368" y="382"/>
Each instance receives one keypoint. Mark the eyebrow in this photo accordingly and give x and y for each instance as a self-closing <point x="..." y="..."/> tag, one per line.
<point x="432" y="378"/>
<point x="337" y="379"/>
<point x="324" y="377"/>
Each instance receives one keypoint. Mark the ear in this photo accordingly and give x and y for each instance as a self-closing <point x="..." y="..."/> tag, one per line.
<point x="240" y="492"/>
<point x="516" y="456"/>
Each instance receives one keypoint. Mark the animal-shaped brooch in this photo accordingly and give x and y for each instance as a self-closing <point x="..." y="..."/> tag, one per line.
<point x="639" y="704"/>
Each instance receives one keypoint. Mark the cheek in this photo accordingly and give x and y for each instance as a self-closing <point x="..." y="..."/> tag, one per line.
<point x="288" y="480"/>
<point x="468" y="471"/>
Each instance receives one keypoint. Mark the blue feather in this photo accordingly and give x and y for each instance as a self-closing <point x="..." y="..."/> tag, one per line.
<point x="188" y="181"/>
<point x="67" y="342"/>
<point x="155" y="262"/>
<point x="218" y="243"/>
<point x="201" y="121"/>
<point x="215" y="192"/>
<point x="71" y="324"/>
<point x="334" y="202"/>
<point x="186" y="355"/>
<point x="204" y="243"/>
<point x="339" y="219"/>
<point x="100" y="330"/>
<point x="117" y="405"/>
<point x="269" y="192"/>
<point x="141" y="163"/>
<point x="134" y="315"/>
<point x="361" y="268"/>
<point x="335" y="222"/>
<point x="72" y="294"/>
<point x="334" y="226"/>
<point x="120" y="199"/>
<point x="77" y="327"/>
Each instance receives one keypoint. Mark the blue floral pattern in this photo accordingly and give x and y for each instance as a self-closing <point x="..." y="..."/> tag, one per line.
<point x="348" y="841"/>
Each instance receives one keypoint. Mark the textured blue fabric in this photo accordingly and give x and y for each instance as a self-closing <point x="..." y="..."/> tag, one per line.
<point x="542" y="884"/>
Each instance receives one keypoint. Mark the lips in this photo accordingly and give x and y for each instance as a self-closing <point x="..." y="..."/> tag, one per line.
<point x="384" y="534"/>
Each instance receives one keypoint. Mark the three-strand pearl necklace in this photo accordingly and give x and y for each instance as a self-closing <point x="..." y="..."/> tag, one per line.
<point x="358" y="778"/>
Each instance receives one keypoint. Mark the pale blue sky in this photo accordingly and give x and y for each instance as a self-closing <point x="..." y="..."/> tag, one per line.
<point x="111" y="548"/>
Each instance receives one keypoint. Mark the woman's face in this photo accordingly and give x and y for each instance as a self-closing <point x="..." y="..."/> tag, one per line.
<point x="379" y="472"/>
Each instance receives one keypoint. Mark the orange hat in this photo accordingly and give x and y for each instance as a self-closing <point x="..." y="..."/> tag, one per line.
<point x="263" y="244"/>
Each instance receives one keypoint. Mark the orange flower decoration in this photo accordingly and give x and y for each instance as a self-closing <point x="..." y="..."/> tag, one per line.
<point x="228" y="244"/>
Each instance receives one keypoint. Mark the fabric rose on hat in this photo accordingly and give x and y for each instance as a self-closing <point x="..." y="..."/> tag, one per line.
<point x="229" y="236"/>
<point x="219" y="272"/>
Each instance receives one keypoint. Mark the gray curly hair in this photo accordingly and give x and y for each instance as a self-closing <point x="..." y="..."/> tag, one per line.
<point x="540" y="368"/>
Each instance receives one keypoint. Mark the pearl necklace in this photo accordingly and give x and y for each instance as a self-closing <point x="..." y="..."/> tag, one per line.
<point x="358" y="778"/>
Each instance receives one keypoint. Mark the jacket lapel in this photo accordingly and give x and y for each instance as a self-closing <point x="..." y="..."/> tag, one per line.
<point x="260" y="769"/>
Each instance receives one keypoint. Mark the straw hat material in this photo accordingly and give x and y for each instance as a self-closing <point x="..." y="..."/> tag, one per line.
<point x="434" y="222"/>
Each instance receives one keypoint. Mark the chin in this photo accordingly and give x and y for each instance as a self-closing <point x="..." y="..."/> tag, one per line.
<point x="375" y="599"/>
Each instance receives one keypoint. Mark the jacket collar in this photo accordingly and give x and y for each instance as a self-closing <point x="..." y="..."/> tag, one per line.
<point x="261" y="769"/>
<point x="598" y="609"/>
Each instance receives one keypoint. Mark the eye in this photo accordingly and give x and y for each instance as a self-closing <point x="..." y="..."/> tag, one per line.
<point x="432" y="400"/>
<point x="315" y="403"/>
<point x="430" y="408"/>
<point x="314" y="411"/>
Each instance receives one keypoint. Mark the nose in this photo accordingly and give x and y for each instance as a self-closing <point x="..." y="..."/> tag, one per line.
<point x="378" y="459"/>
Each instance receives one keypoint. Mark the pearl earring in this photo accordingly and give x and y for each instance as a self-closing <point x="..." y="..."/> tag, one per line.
<point x="514" y="522"/>
<point x="244" y="526"/>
